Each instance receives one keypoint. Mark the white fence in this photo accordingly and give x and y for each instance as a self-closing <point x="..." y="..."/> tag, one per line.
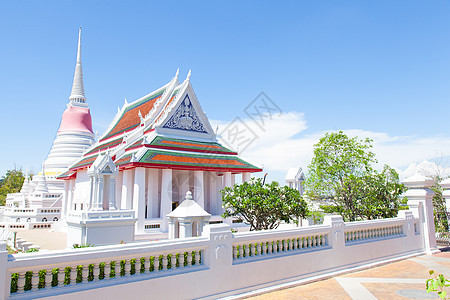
<point x="215" y="265"/>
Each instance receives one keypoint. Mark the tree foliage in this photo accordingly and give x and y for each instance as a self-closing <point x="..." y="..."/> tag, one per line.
<point x="263" y="206"/>
<point x="342" y="178"/>
<point x="12" y="183"/>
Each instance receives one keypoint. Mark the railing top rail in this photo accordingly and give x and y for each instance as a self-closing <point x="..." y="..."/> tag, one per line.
<point x="375" y="223"/>
<point x="102" y="253"/>
<point x="285" y="233"/>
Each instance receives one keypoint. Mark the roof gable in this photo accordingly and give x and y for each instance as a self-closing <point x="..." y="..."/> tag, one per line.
<point x="185" y="117"/>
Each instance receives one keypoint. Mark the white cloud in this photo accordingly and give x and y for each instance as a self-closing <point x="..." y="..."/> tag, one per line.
<point x="281" y="145"/>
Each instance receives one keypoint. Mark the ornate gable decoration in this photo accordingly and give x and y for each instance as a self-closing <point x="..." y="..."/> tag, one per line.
<point x="185" y="118"/>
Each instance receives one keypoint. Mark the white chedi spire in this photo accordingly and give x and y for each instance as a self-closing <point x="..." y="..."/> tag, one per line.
<point x="26" y="187"/>
<point x="77" y="96"/>
<point x="41" y="186"/>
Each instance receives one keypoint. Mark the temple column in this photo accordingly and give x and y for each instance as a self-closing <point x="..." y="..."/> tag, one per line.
<point x="112" y="194"/>
<point x="65" y="198"/>
<point x="153" y="201"/>
<point x="118" y="190"/>
<point x="184" y="186"/>
<point x="227" y="182"/>
<point x="246" y="176"/>
<point x="199" y="188"/>
<point x="127" y="189"/>
<point x="139" y="198"/>
<point x="233" y="179"/>
<point x="227" y="179"/>
<point x="212" y="193"/>
<point x="70" y="198"/>
<point x="166" y="197"/>
<point x="98" y="193"/>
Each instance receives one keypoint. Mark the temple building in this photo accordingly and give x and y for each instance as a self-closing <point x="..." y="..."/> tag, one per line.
<point x="39" y="202"/>
<point x="155" y="150"/>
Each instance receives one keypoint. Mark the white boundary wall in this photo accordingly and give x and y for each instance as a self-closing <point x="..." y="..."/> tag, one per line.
<point x="223" y="264"/>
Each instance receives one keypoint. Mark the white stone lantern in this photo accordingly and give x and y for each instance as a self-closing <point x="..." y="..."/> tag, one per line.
<point x="188" y="219"/>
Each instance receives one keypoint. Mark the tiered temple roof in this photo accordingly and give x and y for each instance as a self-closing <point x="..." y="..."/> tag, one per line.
<point x="164" y="129"/>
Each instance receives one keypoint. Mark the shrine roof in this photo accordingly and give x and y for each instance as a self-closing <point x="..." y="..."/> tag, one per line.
<point x="189" y="161"/>
<point x="84" y="163"/>
<point x="189" y="145"/>
<point x="129" y="118"/>
<point x="104" y="146"/>
<point x="66" y="175"/>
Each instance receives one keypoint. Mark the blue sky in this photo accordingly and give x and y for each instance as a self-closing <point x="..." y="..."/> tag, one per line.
<point x="379" y="69"/>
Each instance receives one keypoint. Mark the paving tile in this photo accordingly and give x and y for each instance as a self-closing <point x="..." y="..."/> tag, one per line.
<point x="400" y="269"/>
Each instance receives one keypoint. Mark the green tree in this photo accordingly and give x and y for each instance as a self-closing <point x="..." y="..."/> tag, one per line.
<point x="342" y="178"/>
<point x="12" y="183"/>
<point x="263" y="206"/>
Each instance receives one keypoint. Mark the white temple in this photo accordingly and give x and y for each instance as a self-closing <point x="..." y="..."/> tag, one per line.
<point x="155" y="150"/>
<point x="294" y="179"/>
<point x="39" y="202"/>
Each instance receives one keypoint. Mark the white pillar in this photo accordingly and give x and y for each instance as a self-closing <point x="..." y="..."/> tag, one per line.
<point x="70" y="198"/>
<point x="227" y="179"/>
<point x="420" y="201"/>
<point x="65" y="198"/>
<point x="212" y="193"/>
<point x="98" y="193"/>
<point x="166" y="197"/>
<point x="153" y="201"/>
<point x="199" y="188"/>
<point x="246" y="176"/>
<point x="139" y="198"/>
<point x="233" y="179"/>
<point x="127" y="189"/>
<point x="118" y="190"/>
<point x="185" y="227"/>
<point x="184" y="186"/>
<point x="112" y="194"/>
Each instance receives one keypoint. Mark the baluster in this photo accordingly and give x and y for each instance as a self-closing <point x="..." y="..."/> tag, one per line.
<point x="156" y="263"/>
<point x="235" y="251"/>
<point x="197" y="258"/>
<point x="295" y="245"/>
<point x="309" y="242"/>
<point x="48" y="279"/>
<point x="84" y="273"/>
<point x="35" y="280"/>
<point x="315" y="241"/>
<point x="322" y="240"/>
<point x="258" y="249"/>
<point x="146" y="265"/>
<point x="96" y="272"/>
<point x="61" y="276"/>
<point x="251" y="248"/>
<point x="282" y="247"/>
<point x="269" y="247"/>
<point x="107" y="270"/>
<point x="173" y="261"/>
<point x="127" y="267"/>
<point x="189" y="259"/>
<point x="304" y="243"/>
<point x="117" y="269"/>
<point x="21" y="282"/>
<point x="164" y="261"/>
<point x="247" y="251"/>
<point x="73" y="275"/>
<point x="264" y="248"/>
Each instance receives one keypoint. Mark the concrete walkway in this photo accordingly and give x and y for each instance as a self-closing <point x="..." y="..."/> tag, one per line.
<point x="46" y="239"/>
<point x="399" y="280"/>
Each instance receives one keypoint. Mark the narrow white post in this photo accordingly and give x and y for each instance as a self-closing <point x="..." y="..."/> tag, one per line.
<point x="227" y="179"/>
<point x="126" y="189"/>
<point x="420" y="201"/>
<point x="139" y="198"/>
<point x="153" y="183"/>
<point x="112" y="194"/>
<point x="246" y="176"/>
<point x="70" y="196"/>
<point x="199" y="188"/>
<point x="65" y="198"/>
<point x="166" y="197"/>
<point x="118" y="191"/>
<point x="5" y="277"/>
